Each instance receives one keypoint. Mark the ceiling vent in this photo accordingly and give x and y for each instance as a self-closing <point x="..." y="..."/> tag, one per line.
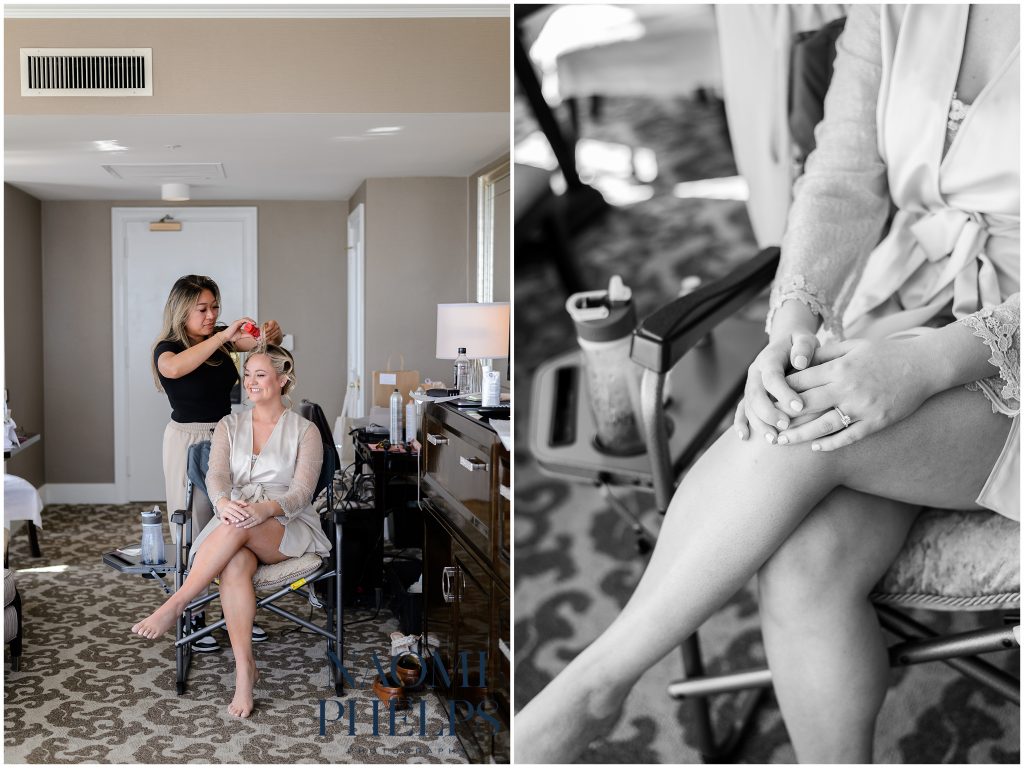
<point x="185" y="173"/>
<point x="86" y="71"/>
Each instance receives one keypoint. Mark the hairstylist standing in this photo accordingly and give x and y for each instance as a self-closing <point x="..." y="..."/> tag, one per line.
<point x="192" y="365"/>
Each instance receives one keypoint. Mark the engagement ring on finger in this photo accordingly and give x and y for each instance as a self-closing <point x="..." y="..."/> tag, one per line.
<point x="843" y="417"/>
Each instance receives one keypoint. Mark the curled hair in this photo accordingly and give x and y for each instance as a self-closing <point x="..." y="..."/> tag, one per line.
<point x="280" y="359"/>
<point x="181" y="301"/>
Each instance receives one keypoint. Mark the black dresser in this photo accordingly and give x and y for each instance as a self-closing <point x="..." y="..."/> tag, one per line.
<point x="465" y="495"/>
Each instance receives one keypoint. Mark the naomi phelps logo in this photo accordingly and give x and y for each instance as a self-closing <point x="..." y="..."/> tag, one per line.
<point x="469" y="672"/>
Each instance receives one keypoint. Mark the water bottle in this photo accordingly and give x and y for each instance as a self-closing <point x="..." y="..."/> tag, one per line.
<point x="460" y="370"/>
<point x="152" y="537"/>
<point x="395" y="435"/>
<point x="605" y="321"/>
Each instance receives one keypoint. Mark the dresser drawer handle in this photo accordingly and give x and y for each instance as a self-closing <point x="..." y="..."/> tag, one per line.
<point x="473" y="465"/>
<point x="446" y="584"/>
<point x="437" y="439"/>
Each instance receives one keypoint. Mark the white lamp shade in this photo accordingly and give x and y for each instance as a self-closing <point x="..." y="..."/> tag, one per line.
<point x="481" y="328"/>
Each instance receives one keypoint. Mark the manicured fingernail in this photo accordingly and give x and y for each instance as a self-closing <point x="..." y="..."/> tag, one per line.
<point x="783" y="440"/>
<point x="796" y="405"/>
<point x="742" y="434"/>
<point x="815" y="446"/>
<point x="800" y="361"/>
<point x="782" y="424"/>
<point x="769" y="437"/>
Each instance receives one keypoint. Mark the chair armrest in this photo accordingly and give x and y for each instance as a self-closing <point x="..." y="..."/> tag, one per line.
<point x="664" y="336"/>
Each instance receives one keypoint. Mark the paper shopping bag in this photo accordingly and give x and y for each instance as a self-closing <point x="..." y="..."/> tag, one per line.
<point x="384" y="383"/>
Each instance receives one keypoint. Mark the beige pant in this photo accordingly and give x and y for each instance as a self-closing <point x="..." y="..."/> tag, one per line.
<point x="177" y="439"/>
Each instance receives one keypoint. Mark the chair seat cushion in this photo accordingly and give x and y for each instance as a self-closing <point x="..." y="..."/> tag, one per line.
<point x="276" y="575"/>
<point x="955" y="560"/>
<point x="10" y="588"/>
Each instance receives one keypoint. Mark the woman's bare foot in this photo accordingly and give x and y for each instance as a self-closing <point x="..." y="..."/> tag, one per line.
<point x="246" y="676"/>
<point x="581" y="711"/>
<point x="158" y="622"/>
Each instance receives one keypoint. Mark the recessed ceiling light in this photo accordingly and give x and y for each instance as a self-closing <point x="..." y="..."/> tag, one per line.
<point x="385" y="129"/>
<point x="175" y="192"/>
<point x="109" y="145"/>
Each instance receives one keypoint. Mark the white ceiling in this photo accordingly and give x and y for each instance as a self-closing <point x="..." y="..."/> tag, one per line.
<point x="265" y="157"/>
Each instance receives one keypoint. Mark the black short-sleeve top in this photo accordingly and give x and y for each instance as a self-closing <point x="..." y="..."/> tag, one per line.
<point x="204" y="395"/>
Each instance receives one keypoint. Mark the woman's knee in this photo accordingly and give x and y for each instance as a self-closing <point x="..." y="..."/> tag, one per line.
<point x="813" y="565"/>
<point x="240" y="567"/>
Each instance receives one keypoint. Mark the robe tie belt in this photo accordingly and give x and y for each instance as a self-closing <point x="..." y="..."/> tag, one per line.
<point x="257" y="492"/>
<point x="954" y="241"/>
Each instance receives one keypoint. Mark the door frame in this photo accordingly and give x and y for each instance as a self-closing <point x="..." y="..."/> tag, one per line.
<point x="356" y="275"/>
<point x="120" y="218"/>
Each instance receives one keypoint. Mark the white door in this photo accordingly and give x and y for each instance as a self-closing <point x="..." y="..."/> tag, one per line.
<point x="356" y="278"/>
<point x="218" y="242"/>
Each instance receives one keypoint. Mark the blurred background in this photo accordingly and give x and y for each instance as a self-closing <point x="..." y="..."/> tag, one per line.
<point x="632" y="123"/>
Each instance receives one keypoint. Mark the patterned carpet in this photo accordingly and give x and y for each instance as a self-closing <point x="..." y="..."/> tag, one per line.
<point x="90" y="692"/>
<point x="576" y="561"/>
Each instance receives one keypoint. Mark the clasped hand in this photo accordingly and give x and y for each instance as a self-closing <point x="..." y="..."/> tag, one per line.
<point x="243" y="514"/>
<point x="875" y="383"/>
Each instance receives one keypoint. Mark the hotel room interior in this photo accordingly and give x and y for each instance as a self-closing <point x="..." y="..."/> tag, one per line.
<point x="344" y="170"/>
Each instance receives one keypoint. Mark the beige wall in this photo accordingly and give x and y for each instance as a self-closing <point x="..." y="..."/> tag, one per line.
<point x="23" y="327"/>
<point x="301" y="283"/>
<point x="238" y="66"/>
<point x="416" y="258"/>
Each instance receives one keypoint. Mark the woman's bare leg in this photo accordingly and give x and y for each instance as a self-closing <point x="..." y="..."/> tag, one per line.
<point x="238" y="599"/>
<point x="215" y="552"/>
<point x="829" y="662"/>
<point x="733" y="510"/>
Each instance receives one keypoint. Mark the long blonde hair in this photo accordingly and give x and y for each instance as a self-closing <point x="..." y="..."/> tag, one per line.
<point x="180" y="302"/>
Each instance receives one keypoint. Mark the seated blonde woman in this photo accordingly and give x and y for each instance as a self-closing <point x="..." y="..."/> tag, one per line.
<point x="264" y="465"/>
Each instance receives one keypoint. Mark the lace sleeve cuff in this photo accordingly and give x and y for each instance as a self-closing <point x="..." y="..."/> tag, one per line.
<point x="796" y="287"/>
<point x="217" y="497"/>
<point x="999" y="328"/>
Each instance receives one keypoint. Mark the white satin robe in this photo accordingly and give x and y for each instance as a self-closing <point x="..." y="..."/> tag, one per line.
<point x="286" y="470"/>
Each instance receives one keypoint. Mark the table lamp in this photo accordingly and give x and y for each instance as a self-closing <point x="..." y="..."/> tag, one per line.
<point x="483" y="329"/>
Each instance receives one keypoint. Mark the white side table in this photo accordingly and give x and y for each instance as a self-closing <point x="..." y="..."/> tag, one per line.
<point x="22" y="502"/>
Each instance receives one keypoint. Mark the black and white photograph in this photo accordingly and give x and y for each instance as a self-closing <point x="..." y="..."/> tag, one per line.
<point x="255" y="255"/>
<point x="767" y="323"/>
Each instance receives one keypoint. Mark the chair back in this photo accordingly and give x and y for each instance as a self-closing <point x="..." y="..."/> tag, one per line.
<point x="198" y="464"/>
<point x="314" y="413"/>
